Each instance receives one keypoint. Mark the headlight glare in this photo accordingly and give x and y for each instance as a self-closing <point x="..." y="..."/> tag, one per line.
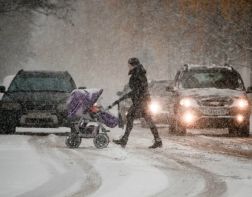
<point x="241" y="103"/>
<point x="240" y="118"/>
<point x="187" y="102"/>
<point x="154" y="107"/>
<point x="188" y="118"/>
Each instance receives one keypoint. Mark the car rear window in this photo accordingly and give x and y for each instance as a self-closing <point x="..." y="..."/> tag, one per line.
<point x="41" y="83"/>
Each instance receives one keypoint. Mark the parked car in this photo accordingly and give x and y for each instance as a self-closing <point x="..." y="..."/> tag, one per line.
<point x="160" y="106"/>
<point x="35" y="99"/>
<point x="160" y="101"/>
<point x="209" y="97"/>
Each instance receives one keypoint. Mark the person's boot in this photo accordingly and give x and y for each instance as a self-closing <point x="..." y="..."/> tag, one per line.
<point x="157" y="144"/>
<point x="121" y="142"/>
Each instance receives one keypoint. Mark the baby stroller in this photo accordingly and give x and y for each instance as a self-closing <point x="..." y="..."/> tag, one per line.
<point x="87" y="119"/>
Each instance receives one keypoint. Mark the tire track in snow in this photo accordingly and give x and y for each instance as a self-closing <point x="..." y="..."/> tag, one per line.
<point x="213" y="186"/>
<point x="93" y="180"/>
<point x="220" y="145"/>
<point x="53" y="149"/>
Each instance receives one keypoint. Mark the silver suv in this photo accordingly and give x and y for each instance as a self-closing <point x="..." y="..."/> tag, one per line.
<point x="209" y="97"/>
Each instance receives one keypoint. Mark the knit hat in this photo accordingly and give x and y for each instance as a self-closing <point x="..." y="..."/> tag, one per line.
<point x="133" y="61"/>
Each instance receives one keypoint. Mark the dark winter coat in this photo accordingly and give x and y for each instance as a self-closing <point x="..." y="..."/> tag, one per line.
<point x="138" y="84"/>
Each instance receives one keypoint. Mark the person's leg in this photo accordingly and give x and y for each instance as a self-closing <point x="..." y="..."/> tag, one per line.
<point x="153" y="128"/>
<point x="130" y="119"/>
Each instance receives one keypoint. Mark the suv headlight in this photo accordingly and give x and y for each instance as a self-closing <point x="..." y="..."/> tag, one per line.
<point x="188" y="102"/>
<point x="154" y="107"/>
<point x="241" y="103"/>
<point x="10" y="106"/>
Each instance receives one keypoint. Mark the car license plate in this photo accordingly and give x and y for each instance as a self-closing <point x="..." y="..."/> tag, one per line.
<point x="215" y="111"/>
<point x="38" y="114"/>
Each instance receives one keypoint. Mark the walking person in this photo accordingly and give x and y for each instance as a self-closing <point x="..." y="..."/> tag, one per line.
<point x="140" y="97"/>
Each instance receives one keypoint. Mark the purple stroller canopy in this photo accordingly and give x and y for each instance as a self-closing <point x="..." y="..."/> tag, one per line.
<point x="82" y="100"/>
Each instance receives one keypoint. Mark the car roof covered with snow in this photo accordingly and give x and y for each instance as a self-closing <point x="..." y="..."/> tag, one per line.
<point x="42" y="73"/>
<point x="203" y="67"/>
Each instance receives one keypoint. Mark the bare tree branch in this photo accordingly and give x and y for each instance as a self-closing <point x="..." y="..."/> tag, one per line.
<point x="61" y="9"/>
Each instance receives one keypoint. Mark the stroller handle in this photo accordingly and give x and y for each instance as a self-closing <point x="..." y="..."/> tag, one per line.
<point x="111" y="106"/>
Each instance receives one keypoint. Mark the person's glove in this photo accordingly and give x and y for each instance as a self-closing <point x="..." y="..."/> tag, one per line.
<point x="113" y="104"/>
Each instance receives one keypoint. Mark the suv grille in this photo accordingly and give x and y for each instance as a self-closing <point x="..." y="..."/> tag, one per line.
<point x="30" y="106"/>
<point x="39" y="121"/>
<point x="216" y="102"/>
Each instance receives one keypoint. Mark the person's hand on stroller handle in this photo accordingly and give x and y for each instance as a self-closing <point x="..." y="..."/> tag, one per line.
<point x="113" y="104"/>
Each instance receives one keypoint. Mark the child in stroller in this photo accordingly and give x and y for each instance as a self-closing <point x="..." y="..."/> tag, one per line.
<point x="87" y="119"/>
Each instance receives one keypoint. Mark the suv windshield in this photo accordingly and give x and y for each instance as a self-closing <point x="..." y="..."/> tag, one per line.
<point x="41" y="83"/>
<point x="222" y="79"/>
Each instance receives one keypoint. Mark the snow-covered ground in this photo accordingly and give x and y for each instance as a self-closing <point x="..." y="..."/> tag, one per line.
<point x="192" y="165"/>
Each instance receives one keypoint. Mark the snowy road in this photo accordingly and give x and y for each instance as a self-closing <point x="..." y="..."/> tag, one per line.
<point x="192" y="165"/>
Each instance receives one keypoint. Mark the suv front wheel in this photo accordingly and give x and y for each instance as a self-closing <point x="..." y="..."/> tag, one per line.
<point x="7" y="129"/>
<point x="239" y="131"/>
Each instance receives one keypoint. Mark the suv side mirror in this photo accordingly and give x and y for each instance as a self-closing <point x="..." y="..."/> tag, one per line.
<point x="82" y="87"/>
<point x="169" y="89"/>
<point x="119" y="93"/>
<point x="2" y="89"/>
<point x="249" y="89"/>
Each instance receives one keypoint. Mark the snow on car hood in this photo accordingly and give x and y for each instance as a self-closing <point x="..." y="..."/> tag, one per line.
<point x="211" y="92"/>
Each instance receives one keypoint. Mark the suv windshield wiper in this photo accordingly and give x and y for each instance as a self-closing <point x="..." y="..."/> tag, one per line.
<point x="49" y="91"/>
<point x="38" y="91"/>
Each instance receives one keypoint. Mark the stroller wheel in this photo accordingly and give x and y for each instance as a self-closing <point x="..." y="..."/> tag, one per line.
<point x="101" y="140"/>
<point x="73" y="140"/>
